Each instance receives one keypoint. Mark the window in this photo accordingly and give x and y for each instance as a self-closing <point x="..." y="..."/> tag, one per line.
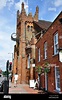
<point x="57" y="78"/>
<point x="29" y="28"/>
<point x="55" y="44"/>
<point x="45" y="50"/>
<point x="29" y="61"/>
<point x="39" y="55"/>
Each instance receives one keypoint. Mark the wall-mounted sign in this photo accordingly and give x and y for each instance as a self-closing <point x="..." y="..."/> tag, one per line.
<point x="33" y="65"/>
<point x="60" y="56"/>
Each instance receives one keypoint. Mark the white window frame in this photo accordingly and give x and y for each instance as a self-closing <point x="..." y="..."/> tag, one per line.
<point x="57" y="77"/>
<point x="38" y="54"/>
<point x="45" y="50"/>
<point x="55" y="44"/>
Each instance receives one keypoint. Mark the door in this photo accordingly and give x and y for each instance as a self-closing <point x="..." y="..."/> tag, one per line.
<point x="57" y="78"/>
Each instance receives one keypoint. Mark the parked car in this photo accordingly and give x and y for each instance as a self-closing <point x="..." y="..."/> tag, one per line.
<point x="2" y="79"/>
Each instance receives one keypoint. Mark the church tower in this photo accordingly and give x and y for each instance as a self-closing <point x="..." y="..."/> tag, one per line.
<point x="24" y="48"/>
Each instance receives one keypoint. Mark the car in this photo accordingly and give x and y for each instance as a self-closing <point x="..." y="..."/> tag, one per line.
<point x="2" y="79"/>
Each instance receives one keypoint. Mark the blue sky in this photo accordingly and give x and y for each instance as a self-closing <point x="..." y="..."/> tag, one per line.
<point x="48" y="10"/>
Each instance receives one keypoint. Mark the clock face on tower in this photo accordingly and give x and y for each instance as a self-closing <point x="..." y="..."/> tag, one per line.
<point x="14" y="37"/>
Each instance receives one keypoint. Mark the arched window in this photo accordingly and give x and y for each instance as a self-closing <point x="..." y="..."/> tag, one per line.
<point x="29" y="28"/>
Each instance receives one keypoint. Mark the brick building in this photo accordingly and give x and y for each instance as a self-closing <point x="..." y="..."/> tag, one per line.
<point x="47" y="50"/>
<point x="24" y="51"/>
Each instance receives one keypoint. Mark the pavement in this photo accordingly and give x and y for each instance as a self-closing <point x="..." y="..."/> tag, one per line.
<point x="23" y="89"/>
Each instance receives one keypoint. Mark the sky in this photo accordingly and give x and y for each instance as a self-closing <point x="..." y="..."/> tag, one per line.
<point x="48" y="10"/>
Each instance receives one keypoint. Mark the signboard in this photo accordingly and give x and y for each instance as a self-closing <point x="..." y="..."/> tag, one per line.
<point x="31" y="83"/>
<point x="33" y="65"/>
<point x="60" y="56"/>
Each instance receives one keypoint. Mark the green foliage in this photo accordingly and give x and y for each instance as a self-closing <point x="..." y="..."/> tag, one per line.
<point x="46" y="64"/>
<point x="38" y="69"/>
<point x="46" y="70"/>
<point x="46" y="67"/>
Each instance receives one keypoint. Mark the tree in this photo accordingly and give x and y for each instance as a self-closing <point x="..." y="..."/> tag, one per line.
<point x="5" y="73"/>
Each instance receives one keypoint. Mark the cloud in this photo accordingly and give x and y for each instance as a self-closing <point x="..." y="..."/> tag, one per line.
<point x="2" y="65"/>
<point x="58" y="3"/>
<point x="6" y="44"/>
<point x="10" y="3"/>
<point x="51" y="9"/>
<point x="2" y="4"/>
<point x="18" y="5"/>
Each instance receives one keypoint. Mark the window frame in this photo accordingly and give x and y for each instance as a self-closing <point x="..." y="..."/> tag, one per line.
<point x="45" y="50"/>
<point x="39" y="54"/>
<point x="56" y="43"/>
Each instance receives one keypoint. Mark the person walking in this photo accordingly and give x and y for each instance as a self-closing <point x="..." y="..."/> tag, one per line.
<point x="15" y="79"/>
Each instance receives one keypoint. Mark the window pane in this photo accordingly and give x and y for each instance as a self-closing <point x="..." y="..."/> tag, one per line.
<point x="45" y="50"/>
<point x="58" y="77"/>
<point x="39" y="54"/>
<point x="56" y="43"/>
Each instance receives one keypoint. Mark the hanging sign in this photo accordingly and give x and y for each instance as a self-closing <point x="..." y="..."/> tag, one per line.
<point x="33" y="65"/>
<point x="60" y="56"/>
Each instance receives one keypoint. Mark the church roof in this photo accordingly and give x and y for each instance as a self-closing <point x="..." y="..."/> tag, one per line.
<point x="43" y="24"/>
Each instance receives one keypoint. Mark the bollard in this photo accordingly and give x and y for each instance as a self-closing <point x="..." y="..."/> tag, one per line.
<point x="6" y="87"/>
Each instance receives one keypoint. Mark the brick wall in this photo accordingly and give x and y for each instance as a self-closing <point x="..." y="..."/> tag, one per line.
<point x="56" y="26"/>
